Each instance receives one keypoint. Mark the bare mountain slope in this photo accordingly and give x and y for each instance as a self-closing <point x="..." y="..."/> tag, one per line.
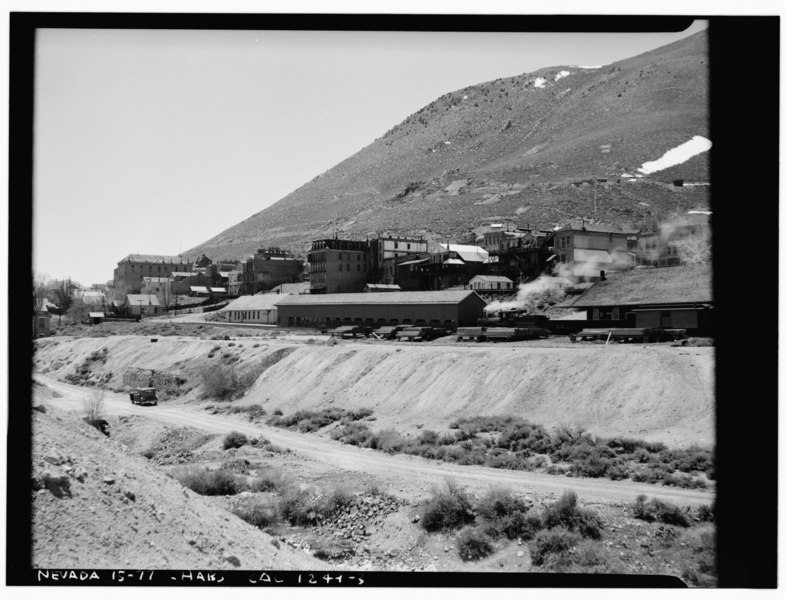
<point x="511" y="148"/>
<point x="101" y="507"/>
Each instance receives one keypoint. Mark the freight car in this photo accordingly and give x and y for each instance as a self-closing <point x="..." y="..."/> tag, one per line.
<point x="501" y="334"/>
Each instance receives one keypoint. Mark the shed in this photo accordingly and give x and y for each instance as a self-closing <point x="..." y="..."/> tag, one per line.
<point x="443" y="308"/>
<point x="96" y="317"/>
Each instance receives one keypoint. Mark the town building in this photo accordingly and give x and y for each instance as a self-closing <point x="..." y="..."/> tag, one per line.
<point x="260" y="309"/>
<point x="675" y="240"/>
<point x="677" y="298"/>
<point x="268" y="268"/>
<point x="339" y="266"/>
<point x="446" y="308"/>
<point x="160" y="287"/>
<point x="42" y="319"/>
<point x="384" y="250"/>
<point x="131" y="269"/>
<point x="491" y="283"/>
<point x="587" y="249"/>
<point x="145" y="305"/>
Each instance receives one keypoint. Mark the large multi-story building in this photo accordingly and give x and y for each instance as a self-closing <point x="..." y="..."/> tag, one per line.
<point x="339" y="266"/>
<point x="133" y="268"/>
<point x="268" y="268"/>
<point x="387" y="248"/>
<point x="588" y="249"/>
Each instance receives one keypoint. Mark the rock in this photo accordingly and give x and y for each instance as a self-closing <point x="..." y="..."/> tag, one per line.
<point x="232" y="560"/>
<point x="109" y="480"/>
<point x="54" y="457"/>
<point x="40" y="408"/>
<point x="519" y="553"/>
<point x="416" y="519"/>
<point x="130" y="495"/>
<point x="276" y="543"/>
<point x="57" y="483"/>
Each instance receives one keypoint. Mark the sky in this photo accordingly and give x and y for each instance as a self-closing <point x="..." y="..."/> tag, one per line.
<point x="152" y="142"/>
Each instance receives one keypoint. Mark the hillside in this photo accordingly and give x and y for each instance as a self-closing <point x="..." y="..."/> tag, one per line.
<point x="521" y="149"/>
<point x="97" y="505"/>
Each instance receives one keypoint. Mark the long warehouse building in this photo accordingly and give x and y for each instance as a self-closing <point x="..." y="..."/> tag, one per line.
<point x="446" y="308"/>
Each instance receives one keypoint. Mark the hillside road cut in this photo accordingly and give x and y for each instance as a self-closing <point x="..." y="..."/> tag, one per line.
<point x="404" y="471"/>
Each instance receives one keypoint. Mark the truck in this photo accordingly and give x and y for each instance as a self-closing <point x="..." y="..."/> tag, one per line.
<point x="144" y="396"/>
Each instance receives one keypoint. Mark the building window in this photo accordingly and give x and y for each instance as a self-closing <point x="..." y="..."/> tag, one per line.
<point x="358" y="266"/>
<point x="340" y="266"/>
<point x="340" y="256"/>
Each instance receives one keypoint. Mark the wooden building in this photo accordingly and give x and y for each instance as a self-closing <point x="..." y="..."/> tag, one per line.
<point x="446" y="308"/>
<point x="671" y="298"/>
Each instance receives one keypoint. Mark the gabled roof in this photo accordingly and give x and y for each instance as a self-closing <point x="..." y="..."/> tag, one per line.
<point x="668" y="285"/>
<point x="141" y="299"/>
<point x="441" y="297"/>
<point x="257" y="302"/>
<point x="490" y="279"/>
<point x="383" y="286"/>
<point x="154" y="258"/>
<point x="467" y="253"/>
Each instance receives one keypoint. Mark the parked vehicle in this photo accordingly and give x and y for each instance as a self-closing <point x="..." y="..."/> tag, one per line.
<point x="353" y="331"/>
<point x="144" y="396"/>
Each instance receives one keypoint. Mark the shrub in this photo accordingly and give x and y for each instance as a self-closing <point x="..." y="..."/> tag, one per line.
<point x="428" y="438"/>
<point x="299" y="507"/>
<point x="446" y="509"/>
<point x="269" y="480"/>
<point x="702" y="572"/>
<point x="565" y="513"/>
<point x="586" y="557"/>
<point x="705" y="513"/>
<point x="520" y="525"/>
<point x="473" y="544"/>
<point x="659" y="510"/>
<point x="234" y="439"/>
<point x="553" y="541"/>
<point x="356" y="434"/>
<point x="387" y="440"/>
<point x="259" y="515"/>
<point x="498" y="503"/>
<point x="209" y="483"/>
<point x="336" y="500"/>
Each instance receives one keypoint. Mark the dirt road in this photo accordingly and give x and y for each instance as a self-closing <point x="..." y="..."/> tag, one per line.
<point x="405" y="471"/>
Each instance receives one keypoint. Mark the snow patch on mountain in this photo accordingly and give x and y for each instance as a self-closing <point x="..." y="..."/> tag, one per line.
<point x="677" y="155"/>
<point x="561" y="74"/>
<point x="540" y="82"/>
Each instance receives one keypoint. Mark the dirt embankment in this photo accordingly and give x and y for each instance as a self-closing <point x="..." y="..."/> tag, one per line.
<point x="97" y="505"/>
<point x="656" y="392"/>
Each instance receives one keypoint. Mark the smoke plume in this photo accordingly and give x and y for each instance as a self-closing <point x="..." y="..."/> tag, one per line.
<point x="543" y="290"/>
